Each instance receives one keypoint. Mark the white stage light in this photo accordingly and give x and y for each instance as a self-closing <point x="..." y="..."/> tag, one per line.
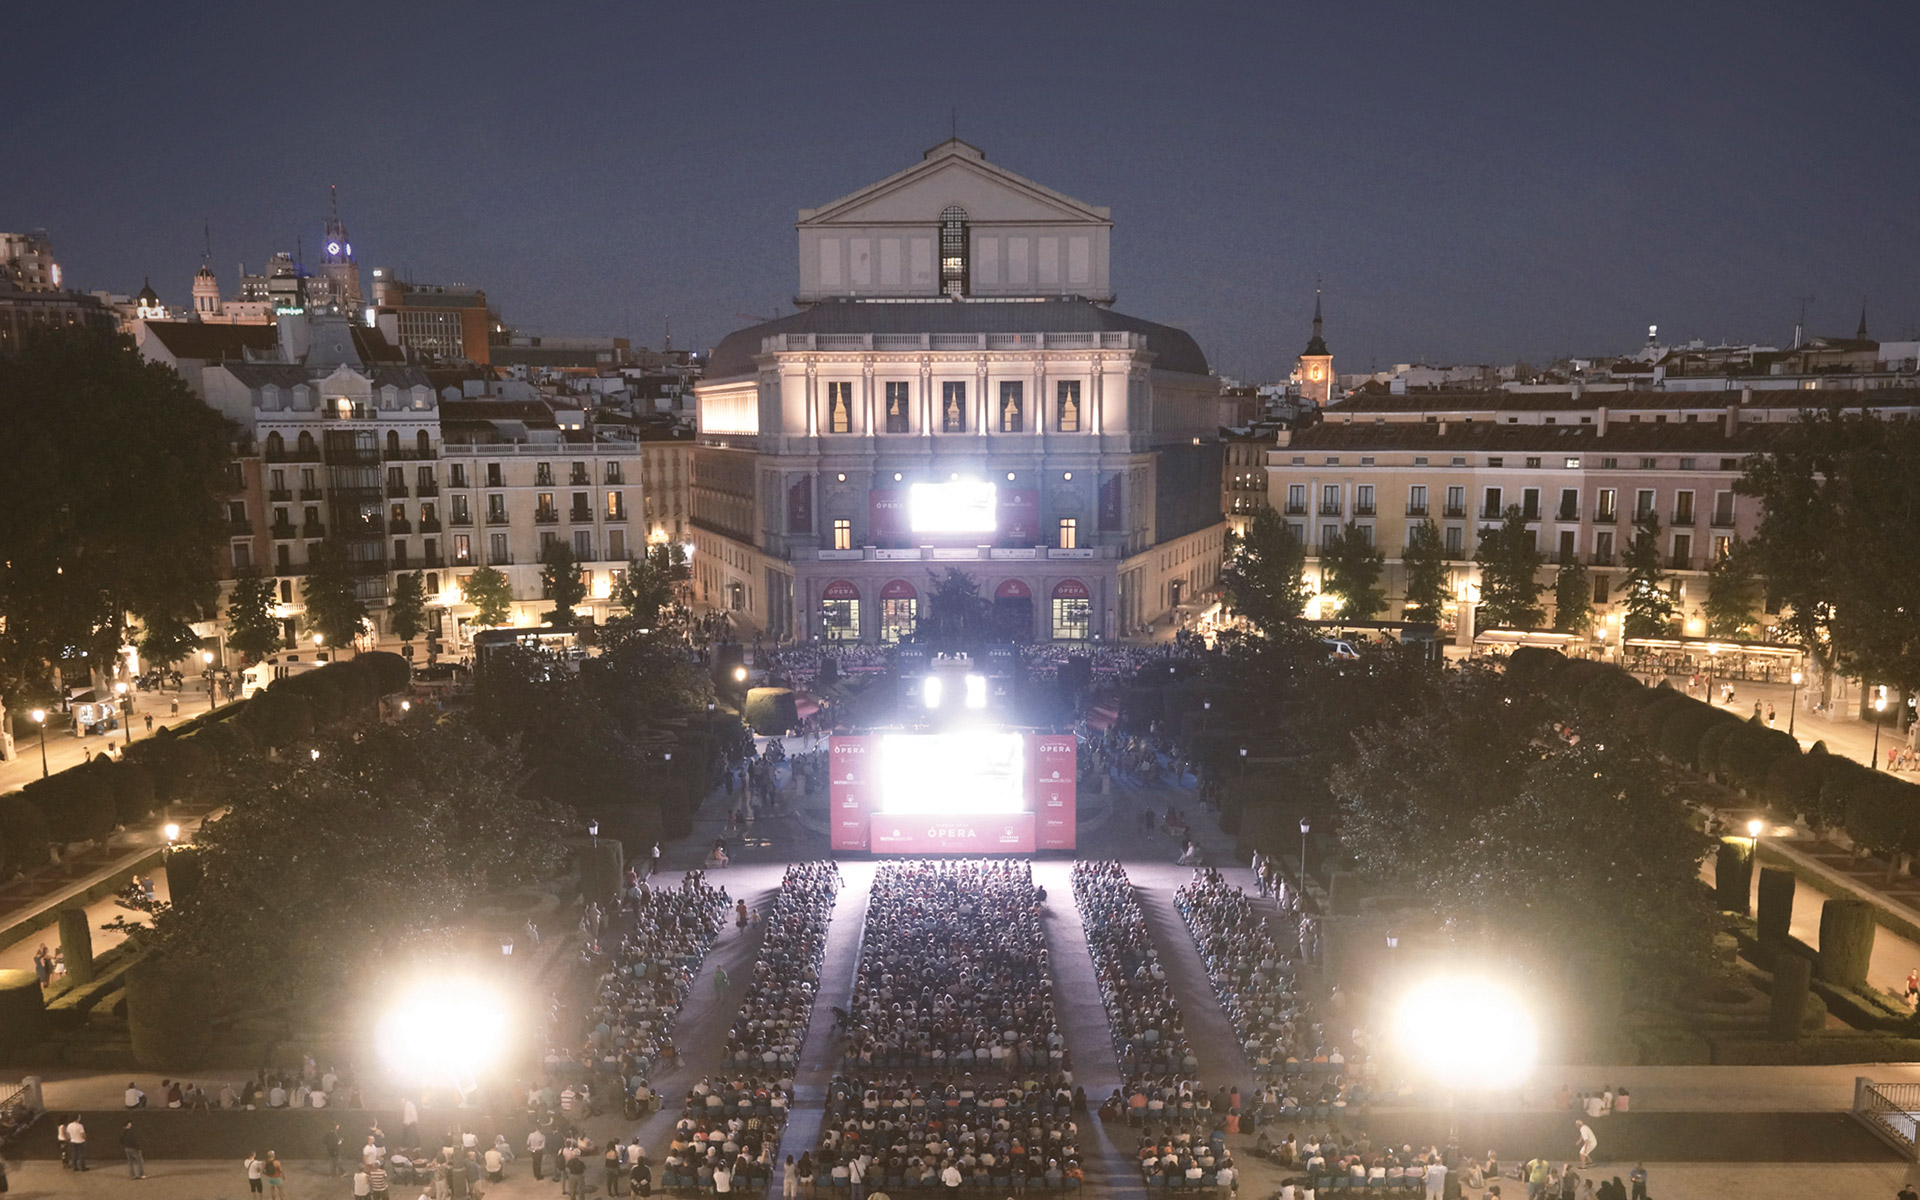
<point x="1467" y="1033"/>
<point x="930" y="691"/>
<point x="953" y="774"/>
<point x="957" y="506"/>
<point x="976" y="691"/>
<point x="444" y="1032"/>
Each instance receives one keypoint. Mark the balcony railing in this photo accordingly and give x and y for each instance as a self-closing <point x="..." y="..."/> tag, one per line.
<point x="1683" y="517"/>
<point x="580" y="479"/>
<point x="1416" y="510"/>
<point x="460" y="519"/>
<point x="578" y="515"/>
<point x="312" y="493"/>
<point x="396" y="491"/>
<point x="543" y="479"/>
<point x="283" y="529"/>
<point x="313" y="529"/>
<point x="1605" y="516"/>
<point x="1600" y="560"/>
<point x="546" y="516"/>
<point x="1363" y="510"/>
<point x="280" y="496"/>
<point x="1641" y="514"/>
<point x="618" y="514"/>
<point x="497" y="516"/>
<point x="408" y="454"/>
<point x="295" y="454"/>
<point x="1329" y="510"/>
<point x="402" y="525"/>
<point x="432" y="560"/>
<point x="1455" y="512"/>
<point x="240" y="526"/>
<point x="429" y="524"/>
<point x="1296" y="510"/>
<point x="1567" y="514"/>
<point x="1491" y="512"/>
<point x="1530" y="514"/>
<point x="428" y="488"/>
<point x="1722" y="520"/>
<point x="502" y="560"/>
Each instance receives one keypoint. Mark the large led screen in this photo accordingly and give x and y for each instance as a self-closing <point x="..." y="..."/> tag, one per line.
<point x="958" y="506"/>
<point x="950" y="774"/>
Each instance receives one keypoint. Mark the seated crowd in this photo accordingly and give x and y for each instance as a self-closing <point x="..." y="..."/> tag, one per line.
<point x="1327" y="1161"/>
<point x="1149" y="1034"/>
<point x="644" y="952"/>
<point x="948" y="1132"/>
<point x="953" y="972"/>
<point x="1255" y="982"/>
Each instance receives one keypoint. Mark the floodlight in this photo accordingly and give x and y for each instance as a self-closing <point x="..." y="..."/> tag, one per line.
<point x="976" y="691"/>
<point x="172" y="832"/>
<point x="739" y="674"/>
<point x="443" y="1032"/>
<point x="1467" y="1033"/>
<point x="930" y="690"/>
<point x="1755" y="827"/>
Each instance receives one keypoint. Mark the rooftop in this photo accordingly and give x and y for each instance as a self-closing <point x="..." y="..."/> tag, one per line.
<point x="1374" y="398"/>
<point x="1454" y="437"/>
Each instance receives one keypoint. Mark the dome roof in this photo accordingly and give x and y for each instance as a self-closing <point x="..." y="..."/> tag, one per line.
<point x="205" y="272"/>
<point x="147" y="295"/>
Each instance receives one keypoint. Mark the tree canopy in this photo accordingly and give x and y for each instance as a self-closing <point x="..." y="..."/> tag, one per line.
<point x="1572" y="606"/>
<point x="646" y="589"/>
<point x="1649" y="608"/>
<point x="1263" y="572"/>
<point x="1509" y="574"/>
<point x="1733" y="593"/>
<point x="407" y="608"/>
<point x="334" y="608"/>
<point x="561" y="582"/>
<point x="253" y="632"/>
<point x="112" y="493"/>
<point x="1425" y="561"/>
<point x="490" y="594"/>
<point x="1353" y="567"/>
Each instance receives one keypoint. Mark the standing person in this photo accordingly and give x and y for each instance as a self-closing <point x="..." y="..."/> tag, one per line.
<point x="1588" y="1143"/>
<point x="789" y="1181"/>
<point x="409" y="1123"/>
<point x="66" y="1151"/>
<point x="275" y="1173"/>
<point x="257" y="1169"/>
<point x="654" y="868"/>
<point x="856" y="1177"/>
<point x="77" y="1143"/>
<point x="1436" y="1179"/>
<point x="136" y="1162"/>
<point x="362" y="1186"/>
<point x="1537" y="1169"/>
<point x="377" y="1180"/>
<point x="641" y="1178"/>
<point x="330" y="1142"/>
<point x="537" y="1151"/>
<point x="1637" y="1178"/>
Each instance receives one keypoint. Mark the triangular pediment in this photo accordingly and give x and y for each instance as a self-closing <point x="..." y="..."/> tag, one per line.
<point x="954" y="173"/>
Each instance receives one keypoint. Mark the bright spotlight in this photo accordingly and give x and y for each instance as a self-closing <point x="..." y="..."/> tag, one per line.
<point x="930" y="691"/>
<point x="171" y="831"/>
<point x="1467" y="1033"/>
<point x="739" y="674"/>
<point x="976" y="691"/>
<point x="443" y="1032"/>
<point x="1755" y="828"/>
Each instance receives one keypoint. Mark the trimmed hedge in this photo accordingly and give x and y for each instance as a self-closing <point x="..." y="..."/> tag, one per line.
<point x="76" y="804"/>
<point x="1846" y="942"/>
<point x="1792" y="976"/>
<point x="1776" y="904"/>
<point x="23" y="835"/>
<point x="771" y="711"/>
<point x="76" y="944"/>
<point x="1826" y="1047"/>
<point x="167" y="1013"/>
<point x="1733" y="875"/>
<point x="23" y="1013"/>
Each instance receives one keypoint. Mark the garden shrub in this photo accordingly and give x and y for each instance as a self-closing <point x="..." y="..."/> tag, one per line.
<point x="1775" y="918"/>
<point x="77" y="805"/>
<point x="1711" y="743"/>
<point x="1533" y="666"/>
<point x="167" y="1012"/>
<point x="23" y="835"/>
<point x="771" y="711"/>
<point x="390" y="672"/>
<point x="1792" y="787"/>
<point x="1733" y="875"/>
<point x="1792" y="977"/>
<point x="1846" y="942"/>
<point x="131" y="787"/>
<point x="23" y="1013"/>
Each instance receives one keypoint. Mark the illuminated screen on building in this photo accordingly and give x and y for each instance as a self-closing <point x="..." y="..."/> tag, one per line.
<point x="953" y="773"/>
<point x="956" y="506"/>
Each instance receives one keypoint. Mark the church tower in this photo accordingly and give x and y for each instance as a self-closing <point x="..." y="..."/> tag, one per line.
<point x="1316" y="363"/>
<point x="206" y="289"/>
<point x="337" y="266"/>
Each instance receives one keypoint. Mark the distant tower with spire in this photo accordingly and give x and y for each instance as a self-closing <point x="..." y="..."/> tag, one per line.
<point x="339" y="273"/>
<point x="1860" y="334"/>
<point x="206" y="289"/>
<point x="1316" y="363"/>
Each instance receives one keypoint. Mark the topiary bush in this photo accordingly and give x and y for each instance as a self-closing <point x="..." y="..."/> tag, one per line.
<point x="76" y="805"/>
<point x="1711" y="743"/>
<point x="389" y="672"/>
<point x="771" y="711"/>
<point x="1533" y="666"/>
<point x="1846" y="942"/>
<point x="279" y="718"/>
<point x="1792" y="978"/>
<point x="1733" y="875"/>
<point x="1775" y="918"/>
<point x="168" y="1014"/>
<point x="131" y="788"/>
<point x="23" y="1013"/>
<point x="1792" y="788"/>
<point x="23" y="835"/>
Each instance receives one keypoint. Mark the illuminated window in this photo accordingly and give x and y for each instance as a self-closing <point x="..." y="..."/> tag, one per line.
<point x="840" y="408"/>
<point x="842" y="534"/>
<point x="1072" y="619"/>
<point x="898" y="617"/>
<point x="1069" y="533"/>
<point x="1012" y="407"/>
<point x="1066" y="406"/>
<point x="616" y="506"/>
<point x="840" y="620"/>
<point x="897" y="401"/>
<point x="953" y="408"/>
<point x="953" y="251"/>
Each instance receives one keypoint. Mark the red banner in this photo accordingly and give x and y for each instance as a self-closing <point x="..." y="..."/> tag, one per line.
<point x="1055" y="771"/>
<point x="996" y="833"/>
<point x="850" y="779"/>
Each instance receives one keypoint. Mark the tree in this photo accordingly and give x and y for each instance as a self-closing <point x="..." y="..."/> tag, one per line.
<point x="1353" y="566"/>
<point x="1733" y="593"/>
<point x="646" y="588"/>
<point x="113" y="488"/>
<point x="1509" y="574"/>
<point x="490" y="594"/>
<point x="561" y="583"/>
<point x="1796" y="548"/>
<point x="1263" y="572"/>
<point x="253" y="632"/>
<point x="1649" y="607"/>
<point x="1572" y="610"/>
<point x="956" y="611"/>
<point x="166" y="640"/>
<point x="407" y="609"/>
<point x="334" y="608"/>
<point x="1425" y="561"/>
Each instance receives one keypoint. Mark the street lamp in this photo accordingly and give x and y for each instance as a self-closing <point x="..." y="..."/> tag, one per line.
<point x="1713" y="652"/>
<point x="171" y="832"/>
<point x="739" y="674"/>
<point x="206" y="664"/>
<point x="1305" y="828"/>
<point x="506" y="947"/>
<point x="1879" y="706"/>
<point x="1243" y="761"/>
<point x="126" y="709"/>
<point x="1794" y="711"/>
<point x="39" y="716"/>
<point x="593" y="831"/>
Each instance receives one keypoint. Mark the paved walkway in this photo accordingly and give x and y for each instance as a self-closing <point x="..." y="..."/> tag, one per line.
<point x="66" y="748"/>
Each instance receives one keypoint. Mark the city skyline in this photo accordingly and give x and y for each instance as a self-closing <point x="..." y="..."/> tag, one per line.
<point x="1548" y="208"/>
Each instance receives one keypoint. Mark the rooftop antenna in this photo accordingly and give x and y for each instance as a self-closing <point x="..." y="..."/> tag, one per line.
<point x="1800" y="330"/>
<point x="206" y="254"/>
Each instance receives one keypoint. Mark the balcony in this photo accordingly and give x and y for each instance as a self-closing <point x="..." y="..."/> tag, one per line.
<point x="503" y="560"/>
<point x="283" y="529"/>
<point x="280" y="496"/>
<point x="544" y="516"/>
<point x="1530" y="513"/>
<point x="369" y="566"/>
<point x="1600" y="560"/>
<point x="401" y="525"/>
<point x="618" y="514"/>
<point x="400" y="559"/>
<point x="1363" y="510"/>
<point x="1491" y="512"/>
<point x="299" y="454"/>
<point x="428" y="488"/>
<point x="1567" y="514"/>
<point x="1296" y="510"/>
<point x="1329" y="510"/>
<point x="396" y="491"/>
<point x="313" y="493"/>
<point x="1455" y="512"/>
<point x="1641" y="514"/>
<point x="408" y="454"/>
<point x="580" y="515"/>
<point x="432" y="561"/>
<point x="496" y="516"/>
<point x="461" y="519"/>
<point x="1682" y="519"/>
<point x="1722" y="520"/>
<point x="313" y="529"/>
<point x="579" y="479"/>
<point x="239" y="526"/>
<point x="1606" y="516"/>
<point x="1682" y="562"/>
<point x="543" y="479"/>
<point x="1416" y="510"/>
<point x="617" y="478"/>
<point x="429" y="524"/>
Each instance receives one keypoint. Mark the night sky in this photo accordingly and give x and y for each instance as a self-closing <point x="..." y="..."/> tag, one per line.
<point x="1476" y="183"/>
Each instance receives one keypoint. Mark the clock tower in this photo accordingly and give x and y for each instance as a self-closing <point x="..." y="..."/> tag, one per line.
<point x="339" y="272"/>
<point x="1316" y="363"/>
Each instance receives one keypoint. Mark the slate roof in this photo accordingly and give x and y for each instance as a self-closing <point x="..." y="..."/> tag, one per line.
<point x="1456" y="437"/>
<point x="212" y="343"/>
<point x="1175" y="349"/>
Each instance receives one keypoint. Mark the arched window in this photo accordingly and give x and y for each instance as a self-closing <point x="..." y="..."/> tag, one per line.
<point x="276" y="447"/>
<point x="422" y="444"/>
<point x="305" y="444"/>
<point x="393" y="443"/>
<point x="953" y="251"/>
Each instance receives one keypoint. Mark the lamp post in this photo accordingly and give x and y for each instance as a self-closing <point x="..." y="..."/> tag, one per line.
<point x="1879" y="706"/>
<point x="126" y="708"/>
<point x="1713" y="652"/>
<point x="1755" y="828"/>
<point x="1243" y="762"/>
<point x="206" y="672"/>
<point x="171" y="832"/>
<point x="39" y="716"/>
<point x="1305" y="828"/>
<point x="593" y="831"/>
<point x="1794" y="710"/>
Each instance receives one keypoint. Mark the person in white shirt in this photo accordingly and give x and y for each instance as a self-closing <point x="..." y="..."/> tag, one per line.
<point x="135" y="1097"/>
<point x="950" y="1175"/>
<point x="370" y="1153"/>
<point x="77" y="1144"/>
<point x="409" y="1123"/>
<point x="1436" y="1179"/>
<point x="722" y="1180"/>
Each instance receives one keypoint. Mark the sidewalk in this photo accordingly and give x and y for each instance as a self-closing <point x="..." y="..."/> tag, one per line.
<point x="66" y="749"/>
